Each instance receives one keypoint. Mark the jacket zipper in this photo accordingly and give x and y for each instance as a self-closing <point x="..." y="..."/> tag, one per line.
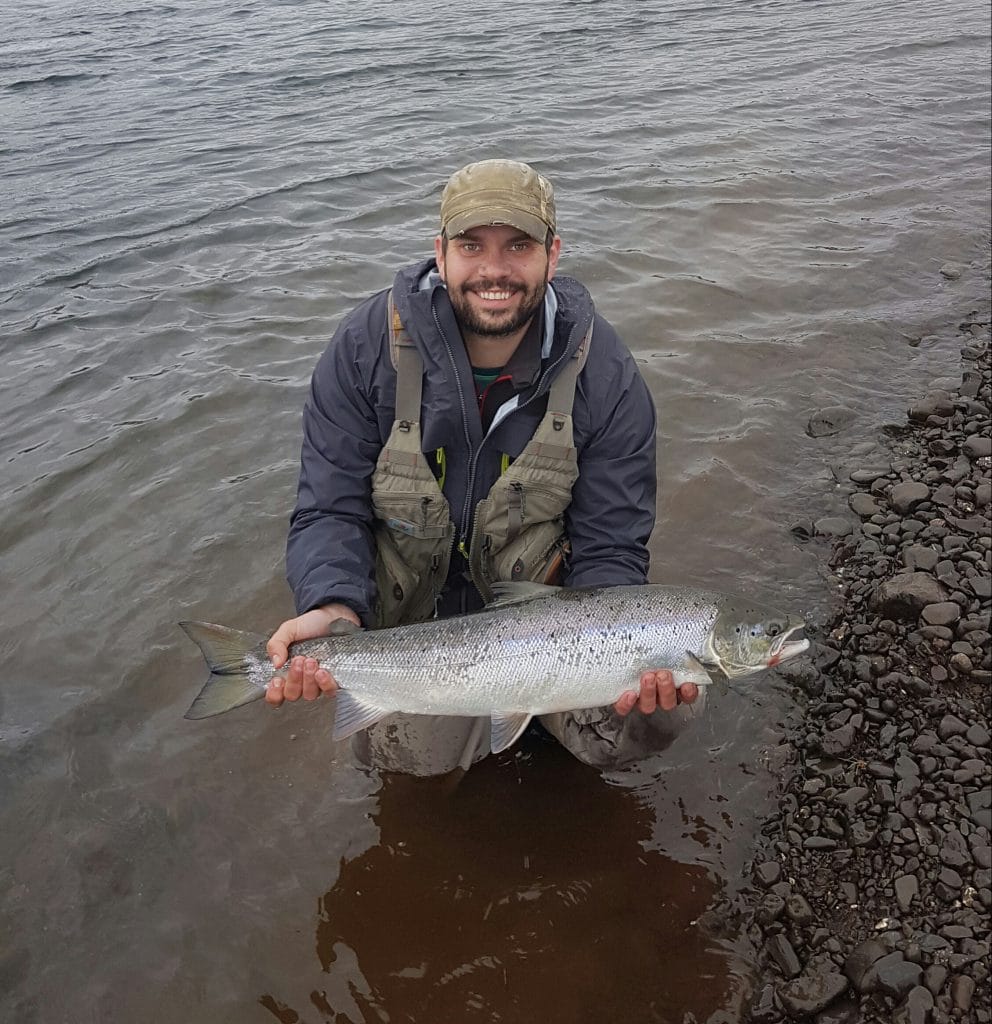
<point x="468" y="522"/>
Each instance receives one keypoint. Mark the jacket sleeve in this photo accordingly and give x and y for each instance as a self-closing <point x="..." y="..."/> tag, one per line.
<point x="330" y="552"/>
<point x="613" y="501"/>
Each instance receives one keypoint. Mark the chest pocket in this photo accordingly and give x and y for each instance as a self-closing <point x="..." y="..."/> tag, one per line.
<point x="411" y="522"/>
<point x="519" y="527"/>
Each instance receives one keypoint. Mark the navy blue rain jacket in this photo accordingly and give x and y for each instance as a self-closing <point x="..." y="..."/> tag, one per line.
<point x="348" y="416"/>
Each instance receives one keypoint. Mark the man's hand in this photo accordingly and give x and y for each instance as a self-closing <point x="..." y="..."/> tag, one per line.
<point x="657" y="690"/>
<point x="305" y="678"/>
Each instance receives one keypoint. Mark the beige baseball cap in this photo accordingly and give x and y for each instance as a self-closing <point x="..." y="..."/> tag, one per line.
<point x="498" y="192"/>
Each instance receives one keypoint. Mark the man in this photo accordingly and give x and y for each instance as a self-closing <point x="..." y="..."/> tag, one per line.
<point x="476" y="424"/>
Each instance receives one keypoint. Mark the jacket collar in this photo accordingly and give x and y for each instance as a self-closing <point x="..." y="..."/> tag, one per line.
<point x="422" y="302"/>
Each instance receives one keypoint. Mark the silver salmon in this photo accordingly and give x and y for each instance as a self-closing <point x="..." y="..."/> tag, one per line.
<point x="534" y="650"/>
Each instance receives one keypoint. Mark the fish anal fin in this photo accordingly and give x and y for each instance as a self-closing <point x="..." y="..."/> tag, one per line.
<point x="507" y="729"/>
<point x="352" y="714"/>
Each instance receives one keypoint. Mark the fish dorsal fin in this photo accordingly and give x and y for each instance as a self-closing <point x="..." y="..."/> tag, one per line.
<point x="352" y="714"/>
<point x="342" y="627"/>
<point x="508" y="728"/>
<point x="515" y="593"/>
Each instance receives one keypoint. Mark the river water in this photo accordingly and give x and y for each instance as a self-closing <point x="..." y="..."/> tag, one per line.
<point x="759" y="194"/>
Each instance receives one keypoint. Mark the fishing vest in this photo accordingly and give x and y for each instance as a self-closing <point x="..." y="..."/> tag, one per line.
<point x="518" y="529"/>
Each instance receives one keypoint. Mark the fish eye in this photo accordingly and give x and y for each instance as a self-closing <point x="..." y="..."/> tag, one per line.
<point x="774" y="629"/>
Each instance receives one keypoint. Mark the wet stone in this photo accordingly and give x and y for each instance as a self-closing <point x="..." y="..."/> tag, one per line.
<point x="860" y="961"/>
<point x="962" y="992"/>
<point x="768" y="873"/>
<point x="977" y="446"/>
<point x="944" y="613"/>
<point x="919" y="1003"/>
<point x="763" y="1008"/>
<point x="862" y="833"/>
<point x="954" y="850"/>
<point x="951" y="725"/>
<point x="907" y="496"/>
<point x="977" y="736"/>
<point x="838" y="740"/>
<point x="797" y="909"/>
<point x="780" y="951"/>
<point x="828" y="421"/>
<point x="812" y="992"/>
<point x="869" y="474"/>
<point x="916" y="556"/>
<point x="770" y="909"/>
<point x="863" y="504"/>
<point x="855" y="795"/>
<point x="832" y="526"/>
<point x="907" y="889"/>
<point x="935" y="403"/>
<point x="896" y="976"/>
<point x="905" y="596"/>
<point x="934" y="977"/>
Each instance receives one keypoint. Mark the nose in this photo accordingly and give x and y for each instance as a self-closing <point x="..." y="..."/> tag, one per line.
<point x="494" y="263"/>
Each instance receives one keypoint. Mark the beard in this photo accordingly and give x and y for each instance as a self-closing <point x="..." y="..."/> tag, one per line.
<point x="499" y="323"/>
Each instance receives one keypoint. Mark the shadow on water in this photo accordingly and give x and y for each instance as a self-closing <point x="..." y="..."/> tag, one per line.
<point x="523" y="890"/>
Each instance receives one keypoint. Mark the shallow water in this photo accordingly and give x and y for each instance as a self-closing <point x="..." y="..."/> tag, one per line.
<point x="760" y="196"/>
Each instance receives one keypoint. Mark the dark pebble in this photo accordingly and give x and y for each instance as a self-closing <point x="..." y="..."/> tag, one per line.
<point x="768" y="873"/>
<point x="780" y="951"/>
<point x="813" y="992"/>
<point x="895" y="976"/>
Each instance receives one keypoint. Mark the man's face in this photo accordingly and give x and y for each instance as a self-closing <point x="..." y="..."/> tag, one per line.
<point x="496" y="277"/>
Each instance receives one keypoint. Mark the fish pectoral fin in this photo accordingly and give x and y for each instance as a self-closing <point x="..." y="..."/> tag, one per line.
<point x="697" y="664"/>
<point x="711" y="668"/>
<point x="515" y="593"/>
<point x="507" y="729"/>
<point x="352" y="714"/>
<point x="343" y="627"/>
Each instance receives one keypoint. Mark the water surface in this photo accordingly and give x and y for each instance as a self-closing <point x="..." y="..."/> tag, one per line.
<point x="760" y="196"/>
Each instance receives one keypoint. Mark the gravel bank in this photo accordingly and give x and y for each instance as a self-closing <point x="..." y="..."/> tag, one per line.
<point x="873" y="883"/>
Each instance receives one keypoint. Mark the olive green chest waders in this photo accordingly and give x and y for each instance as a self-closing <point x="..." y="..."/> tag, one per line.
<point x="517" y="534"/>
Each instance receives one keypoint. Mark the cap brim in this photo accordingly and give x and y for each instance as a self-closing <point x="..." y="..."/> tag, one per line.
<point x="488" y="215"/>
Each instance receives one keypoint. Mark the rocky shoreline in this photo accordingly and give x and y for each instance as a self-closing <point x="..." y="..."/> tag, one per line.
<point x="872" y="884"/>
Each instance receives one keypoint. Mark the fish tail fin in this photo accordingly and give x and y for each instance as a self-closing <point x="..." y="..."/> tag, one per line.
<point x="234" y="658"/>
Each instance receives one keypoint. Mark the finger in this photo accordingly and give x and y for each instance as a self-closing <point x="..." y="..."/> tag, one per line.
<point x="311" y="691"/>
<point x="667" y="695"/>
<point x="325" y="681"/>
<point x="626" y="703"/>
<point x="294" y="681"/>
<point x="688" y="692"/>
<point x="273" y="692"/>
<point x="277" y="651"/>
<point x="648" y="699"/>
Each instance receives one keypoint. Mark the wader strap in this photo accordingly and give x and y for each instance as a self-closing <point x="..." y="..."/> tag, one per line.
<point x="409" y="370"/>
<point x="562" y="393"/>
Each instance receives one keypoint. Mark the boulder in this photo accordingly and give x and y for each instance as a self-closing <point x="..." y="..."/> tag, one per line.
<point x="906" y="595"/>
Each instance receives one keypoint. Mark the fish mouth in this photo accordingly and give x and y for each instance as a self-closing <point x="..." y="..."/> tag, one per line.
<point x="783" y="649"/>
